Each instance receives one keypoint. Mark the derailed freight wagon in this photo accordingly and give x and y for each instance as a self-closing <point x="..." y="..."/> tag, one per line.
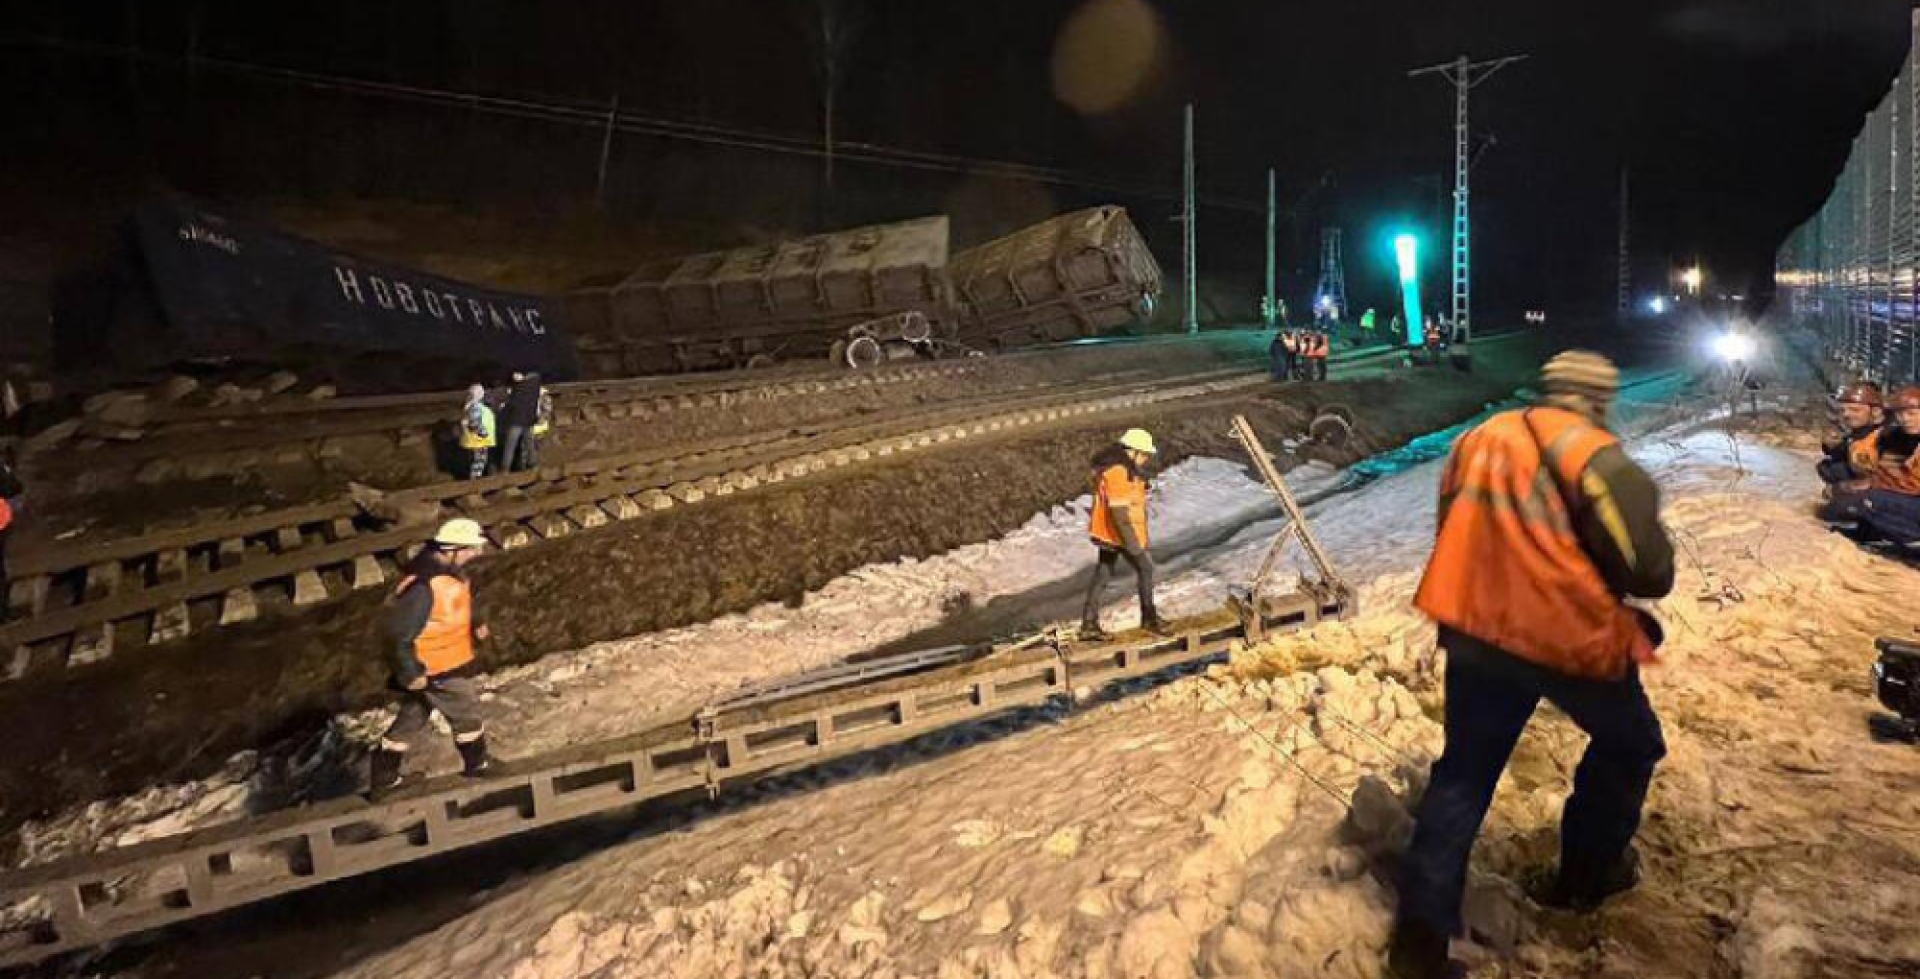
<point x="191" y="286"/>
<point x="1077" y="275"/>
<point x="794" y="300"/>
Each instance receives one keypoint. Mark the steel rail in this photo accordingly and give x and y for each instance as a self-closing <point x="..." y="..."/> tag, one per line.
<point x="804" y="721"/>
<point x="148" y="589"/>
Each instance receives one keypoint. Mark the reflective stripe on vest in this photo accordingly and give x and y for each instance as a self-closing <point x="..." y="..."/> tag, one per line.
<point x="483" y="439"/>
<point x="1508" y="567"/>
<point x="446" y="644"/>
<point x="1128" y="491"/>
<point x="1888" y="473"/>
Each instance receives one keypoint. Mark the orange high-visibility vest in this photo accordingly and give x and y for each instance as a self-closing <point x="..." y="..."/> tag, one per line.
<point x="1508" y="568"/>
<point x="1113" y="486"/>
<point x="446" y="644"/>
<point x="6" y="513"/>
<point x="1895" y="475"/>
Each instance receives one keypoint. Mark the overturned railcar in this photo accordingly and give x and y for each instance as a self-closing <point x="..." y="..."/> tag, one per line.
<point x="192" y="285"/>
<point x="1077" y="275"/>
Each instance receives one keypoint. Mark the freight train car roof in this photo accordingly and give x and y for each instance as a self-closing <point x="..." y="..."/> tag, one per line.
<point x="919" y="243"/>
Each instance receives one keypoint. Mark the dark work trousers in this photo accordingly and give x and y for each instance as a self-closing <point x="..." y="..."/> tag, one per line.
<point x="1319" y="368"/>
<point x="517" y="450"/>
<point x="1490" y="696"/>
<point x="457" y="698"/>
<point x="478" y="467"/>
<point x="1103" y="570"/>
<point x="1280" y="362"/>
<point x="6" y="603"/>
<point x="1896" y="516"/>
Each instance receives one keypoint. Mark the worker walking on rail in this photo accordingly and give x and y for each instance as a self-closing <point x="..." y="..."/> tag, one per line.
<point x="477" y="433"/>
<point x="432" y="629"/>
<point x="1546" y="528"/>
<point x="1118" y="527"/>
<point x="519" y="449"/>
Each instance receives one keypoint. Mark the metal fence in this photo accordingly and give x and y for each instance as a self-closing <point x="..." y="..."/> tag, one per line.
<point x="1853" y="270"/>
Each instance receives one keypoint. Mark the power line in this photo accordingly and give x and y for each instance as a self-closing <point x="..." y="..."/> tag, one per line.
<point x="617" y="120"/>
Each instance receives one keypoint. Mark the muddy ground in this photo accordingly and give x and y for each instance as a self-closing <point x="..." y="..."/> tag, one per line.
<point x="179" y="711"/>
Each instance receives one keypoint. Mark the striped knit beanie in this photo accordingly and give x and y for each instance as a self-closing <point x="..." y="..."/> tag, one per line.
<point x="1581" y="372"/>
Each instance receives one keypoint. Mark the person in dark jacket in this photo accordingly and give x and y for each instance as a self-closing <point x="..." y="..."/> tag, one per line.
<point x="1280" y="355"/>
<point x="518" y="418"/>
<point x="432" y="632"/>
<point x="1546" y="528"/>
<point x="1847" y="462"/>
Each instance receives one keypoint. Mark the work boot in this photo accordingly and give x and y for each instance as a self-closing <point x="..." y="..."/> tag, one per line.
<point x="1152" y="622"/>
<point x="1090" y="631"/>
<point x="1583" y="894"/>
<point x="383" y="772"/>
<point x="477" y="763"/>
<point x="1418" y="952"/>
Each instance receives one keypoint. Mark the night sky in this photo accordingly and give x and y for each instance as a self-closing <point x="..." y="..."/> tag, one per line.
<point x="1732" y="114"/>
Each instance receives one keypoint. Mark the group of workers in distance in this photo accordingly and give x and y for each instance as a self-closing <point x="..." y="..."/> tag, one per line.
<point x="1872" y="470"/>
<point x="503" y="434"/>
<point x="1300" y="355"/>
<point x="1547" y="535"/>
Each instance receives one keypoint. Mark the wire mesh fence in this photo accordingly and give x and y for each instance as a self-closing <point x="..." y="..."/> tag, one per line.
<point x="1853" y="270"/>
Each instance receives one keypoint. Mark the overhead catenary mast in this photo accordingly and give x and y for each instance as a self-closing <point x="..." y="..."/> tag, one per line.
<point x="1466" y="75"/>
<point x="1190" y="308"/>
<point x="1271" y="311"/>
<point x="1625" y="299"/>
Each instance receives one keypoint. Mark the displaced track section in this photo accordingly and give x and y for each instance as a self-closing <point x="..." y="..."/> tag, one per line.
<point x="81" y="606"/>
<point x="757" y="733"/>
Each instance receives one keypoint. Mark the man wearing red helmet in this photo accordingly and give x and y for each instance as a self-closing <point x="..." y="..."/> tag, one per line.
<point x="1889" y="458"/>
<point x="1862" y="412"/>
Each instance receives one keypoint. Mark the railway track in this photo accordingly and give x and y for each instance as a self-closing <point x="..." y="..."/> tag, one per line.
<point x="236" y="437"/>
<point x="84" y="605"/>
<point x="755" y="732"/>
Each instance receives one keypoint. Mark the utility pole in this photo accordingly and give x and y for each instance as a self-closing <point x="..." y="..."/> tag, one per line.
<point x="1272" y="310"/>
<point x="1466" y="75"/>
<point x="1626" y="245"/>
<point x="1190" y="240"/>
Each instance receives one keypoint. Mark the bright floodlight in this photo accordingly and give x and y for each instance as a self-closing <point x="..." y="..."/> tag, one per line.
<point x="1733" y="346"/>
<point x="1406" y="249"/>
<point x="1657" y="305"/>
<point x="1692" y="279"/>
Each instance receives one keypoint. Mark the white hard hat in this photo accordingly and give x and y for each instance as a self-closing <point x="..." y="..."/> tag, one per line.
<point x="1139" y="440"/>
<point x="460" y="532"/>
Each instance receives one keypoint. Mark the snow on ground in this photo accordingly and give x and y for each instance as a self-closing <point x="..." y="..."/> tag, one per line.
<point x="1201" y="829"/>
<point x="614" y="688"/>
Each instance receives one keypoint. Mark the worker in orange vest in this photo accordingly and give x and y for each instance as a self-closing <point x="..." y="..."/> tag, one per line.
<point x="1848" y="462"/>
<point x="1317" y="356"/>
<point x="433" y="632"/>
<point x="1546" y="528"/>
<point x="1118" y="527"/>
<point x="1885" y="500"/>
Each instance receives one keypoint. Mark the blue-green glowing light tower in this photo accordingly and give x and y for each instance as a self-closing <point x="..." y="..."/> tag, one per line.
<point x="1406" y="251"/>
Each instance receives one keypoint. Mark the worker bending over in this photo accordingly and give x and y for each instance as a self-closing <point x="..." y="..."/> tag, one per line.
<point x="1546" y="527"/>
<point x="1119" y="527"/>
<point x="432" y="628"/>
